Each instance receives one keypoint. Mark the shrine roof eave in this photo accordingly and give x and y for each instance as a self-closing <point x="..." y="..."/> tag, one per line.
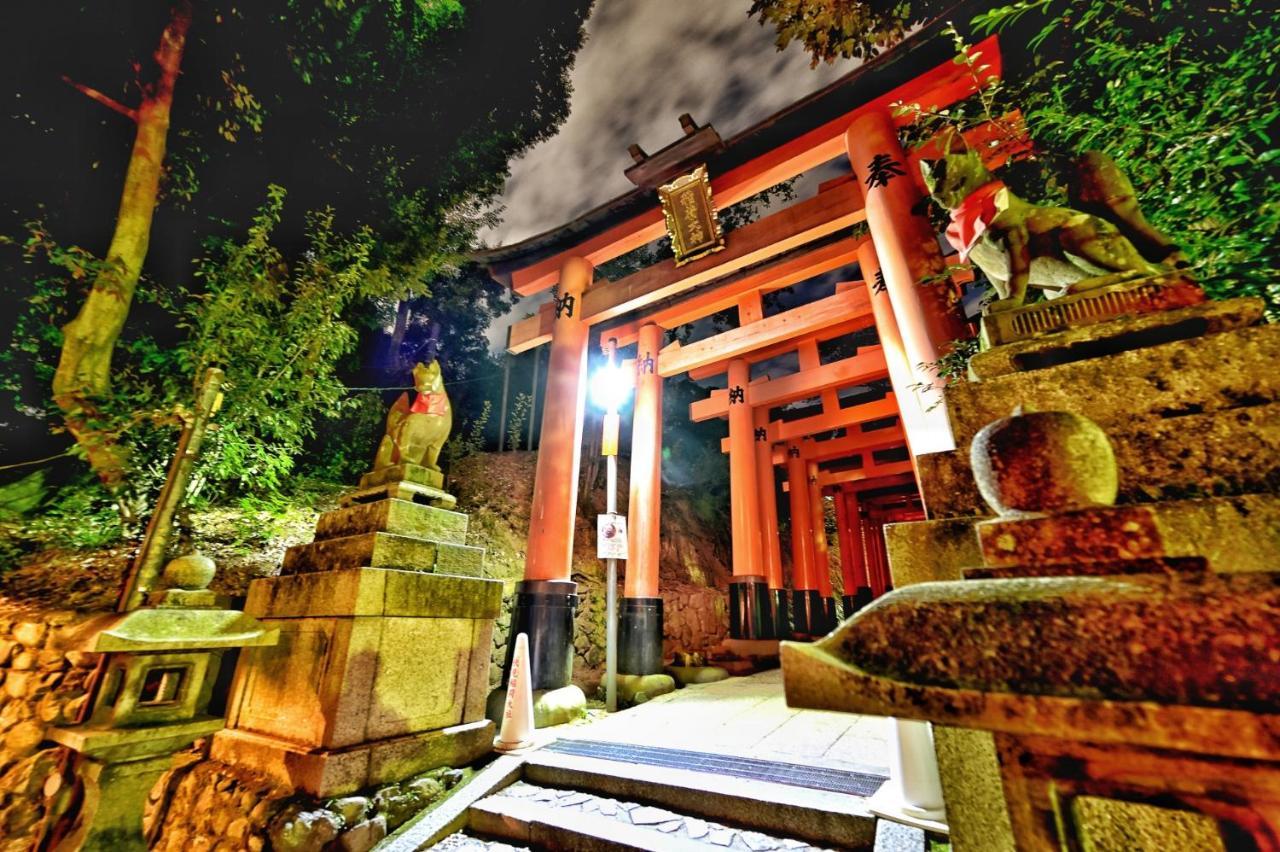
<point x="919" y="52"/>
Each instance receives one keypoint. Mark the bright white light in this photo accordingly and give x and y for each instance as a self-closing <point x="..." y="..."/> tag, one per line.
<point x="609" y="387"/>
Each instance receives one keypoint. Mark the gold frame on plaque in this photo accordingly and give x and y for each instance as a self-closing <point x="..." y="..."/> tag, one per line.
<point x="690" y="213"/>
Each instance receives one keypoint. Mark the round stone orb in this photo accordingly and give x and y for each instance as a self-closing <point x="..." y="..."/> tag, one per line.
<point x="1044" y="461"/>
<point x="192" y="572"/>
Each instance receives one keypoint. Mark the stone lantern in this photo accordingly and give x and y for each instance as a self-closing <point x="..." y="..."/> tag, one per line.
<point x="158" y="679"/>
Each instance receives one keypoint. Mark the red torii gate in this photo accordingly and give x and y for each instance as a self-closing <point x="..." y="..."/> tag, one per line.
<point x="809" y="238"/>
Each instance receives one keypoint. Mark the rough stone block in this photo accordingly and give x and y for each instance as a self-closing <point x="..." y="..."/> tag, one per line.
<point x="384" y="550"/>
<point x="1117" y="335"/>
<point x="336" y="682"/>
<point x="925" y="551"/>
<point x="1222" y="453"/>
<point x="1232" y="534"/>
<point x="374" y="591"/>
<point x="339" y="772"/>
<point x="402" y="517"/>
<point x="1222" y="371"/>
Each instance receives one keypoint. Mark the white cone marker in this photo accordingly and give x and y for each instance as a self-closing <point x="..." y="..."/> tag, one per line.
<point x="517" y="715"/>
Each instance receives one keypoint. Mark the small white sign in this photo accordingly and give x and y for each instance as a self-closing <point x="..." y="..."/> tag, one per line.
<point x="611" y="536"/>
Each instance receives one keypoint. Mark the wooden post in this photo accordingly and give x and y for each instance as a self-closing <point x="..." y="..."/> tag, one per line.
<point x="555" y="487"/>
<point x="821" y="550"/>
<point x="645" y="505"/>
<point x="533" y="398"/>
<point x="927" y="314"/>
<point x="506" y="386"/>
<point x="923" y="413"/>
<point x="767" y="489"/>
<point x="744" y="502"/>
<point x="155" y="542"/>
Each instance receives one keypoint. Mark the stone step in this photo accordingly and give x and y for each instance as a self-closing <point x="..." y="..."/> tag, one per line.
<point x="1220" y="453"/>
<point x="803" y="815"/>
<point x="1118" y="335"/>
<point x="384" y="550"/>
<point x="1232" y="534"/>
<point x="1230" y="370"/>
<point x="401" y="517"/>
<point x="566" y="817"/>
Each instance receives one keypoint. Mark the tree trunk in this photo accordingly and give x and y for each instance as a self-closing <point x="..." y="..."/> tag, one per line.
<point x="83" y="377"/>
<point x="396" y="347"/>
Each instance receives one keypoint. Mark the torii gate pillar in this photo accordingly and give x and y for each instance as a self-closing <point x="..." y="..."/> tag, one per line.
<point x="825" y="617"/>
<point x="806" y="603"/>
<point x="749" y="611"/>
<point x="770" y="547"/>
<point x="927" y="315"/>
<point x="640" y="621"/>
<point x="546" y="599"/>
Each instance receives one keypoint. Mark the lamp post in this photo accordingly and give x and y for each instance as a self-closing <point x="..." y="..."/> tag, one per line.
<point x="609" y="389"/>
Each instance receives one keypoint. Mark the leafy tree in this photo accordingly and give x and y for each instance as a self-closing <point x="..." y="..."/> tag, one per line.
<point x="833" y="29"/>
<point x="391" y="116"/>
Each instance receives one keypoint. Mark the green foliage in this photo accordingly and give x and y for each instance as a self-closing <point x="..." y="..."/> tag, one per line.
<point x="831" y="29"/>
<point x="80" y="516"/>
<point x="277" y="330"/>
<point x="516" y="420"/>
<point x="468" y="442"/>
<point x="344" y="444"/>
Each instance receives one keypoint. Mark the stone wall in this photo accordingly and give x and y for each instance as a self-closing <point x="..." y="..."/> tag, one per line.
<point x="694" y="619"/>
<point x="39" y="686"/>
<point x="209" y="805"/>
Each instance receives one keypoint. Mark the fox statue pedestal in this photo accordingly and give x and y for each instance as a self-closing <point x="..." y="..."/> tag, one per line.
<point x="383" y="663"/>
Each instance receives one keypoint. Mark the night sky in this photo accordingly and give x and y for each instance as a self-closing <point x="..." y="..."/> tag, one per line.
<point x="646" y="62"/>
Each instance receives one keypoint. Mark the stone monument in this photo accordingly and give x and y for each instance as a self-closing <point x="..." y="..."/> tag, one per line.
<point x="153" y="700"/>
<point x="386" y="623"/>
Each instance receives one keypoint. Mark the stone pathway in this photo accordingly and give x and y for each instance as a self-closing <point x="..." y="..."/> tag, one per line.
<point x="466" y="843"/>
<point x="747" y="717"/>
<point x="659" y="820"/>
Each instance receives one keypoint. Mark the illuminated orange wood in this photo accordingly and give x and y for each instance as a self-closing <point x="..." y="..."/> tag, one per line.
<point x="744" y="499"/>
<point x="805" y="319"/>
<point x="774" y="235"/>
<point x="750" y="308"/>
<point x="555" y="485"/>
<point x="770" y="543"/>
<point x="722" y="295"/>
<point x="838" y="448"/>
<point x="790" y="430"/>
<point x="868" y="364"/>
<point x="830" y="332"/>
<point x="937" y="88"/>
<point x="802" y="556"/>
<point x="875" y="471"/>
<point x="853" y="568"/>
<point x="644" y="509"/>
<point x="821" y="548"/>
<point x="924" y="412"/>
<point x="928" y="315"/>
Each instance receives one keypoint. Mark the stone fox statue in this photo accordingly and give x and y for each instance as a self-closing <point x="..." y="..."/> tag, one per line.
<point x="417" y="428"/>
<point x="1017" y="243"/>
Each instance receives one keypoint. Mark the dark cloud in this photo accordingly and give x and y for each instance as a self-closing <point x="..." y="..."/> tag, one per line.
<point x="646" y="62"/>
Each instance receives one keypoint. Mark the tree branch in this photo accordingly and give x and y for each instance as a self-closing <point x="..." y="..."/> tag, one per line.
<point x="105" y="100"/>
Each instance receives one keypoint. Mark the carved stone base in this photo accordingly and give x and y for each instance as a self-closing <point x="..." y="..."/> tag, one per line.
<point x="1139" y="296"/>
<point x="338" y="772"/>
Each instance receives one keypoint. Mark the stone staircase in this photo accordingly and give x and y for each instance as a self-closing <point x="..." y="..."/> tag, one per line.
<point x="547" y="800"/>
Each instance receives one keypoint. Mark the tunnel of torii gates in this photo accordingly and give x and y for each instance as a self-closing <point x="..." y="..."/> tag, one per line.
<point x="858" y="450"/>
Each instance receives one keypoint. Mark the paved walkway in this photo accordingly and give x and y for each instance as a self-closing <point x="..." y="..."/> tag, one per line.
<point x="747" y="717"/>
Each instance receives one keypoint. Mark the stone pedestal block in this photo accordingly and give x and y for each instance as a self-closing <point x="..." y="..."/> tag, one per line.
<point x="377" y="671"/>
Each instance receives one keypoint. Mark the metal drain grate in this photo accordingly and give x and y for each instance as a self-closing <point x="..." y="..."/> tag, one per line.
<point x="792" y="774"/>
